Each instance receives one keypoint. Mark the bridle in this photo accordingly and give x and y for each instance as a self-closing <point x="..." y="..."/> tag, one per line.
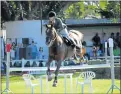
<point x="54" y="37"/>
<point x="52" y="40"/>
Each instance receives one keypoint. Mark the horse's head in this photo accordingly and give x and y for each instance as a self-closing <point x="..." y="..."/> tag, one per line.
<point x="50" y="35"/>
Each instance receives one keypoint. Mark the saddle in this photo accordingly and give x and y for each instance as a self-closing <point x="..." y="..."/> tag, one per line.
<point x="68" y="42"/>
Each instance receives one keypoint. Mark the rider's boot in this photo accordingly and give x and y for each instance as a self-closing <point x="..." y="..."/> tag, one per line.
<point x="74" y="43"/>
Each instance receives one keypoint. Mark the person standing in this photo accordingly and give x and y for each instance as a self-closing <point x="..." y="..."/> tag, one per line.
<point x="117" y="39"/>
<point x="12" y="53"/>
<point x="40" y="53"/>
<point x="34" y="50"/>
<point x="103" y="40"/>
<point x="96" y="40"/>
<point x="17" y="51"/>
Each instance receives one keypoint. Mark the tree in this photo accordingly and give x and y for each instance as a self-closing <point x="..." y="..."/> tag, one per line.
<point x="75" y="10"/>
<point x="103" y="9"/>
<point x="29" y="10"/>
<point x="20" y="10"/>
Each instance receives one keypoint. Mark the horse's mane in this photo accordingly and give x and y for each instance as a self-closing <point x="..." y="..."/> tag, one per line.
<point x="59" y="38"/>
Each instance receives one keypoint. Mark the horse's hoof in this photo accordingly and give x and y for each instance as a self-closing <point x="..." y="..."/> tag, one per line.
<point x="54" y="84"/>
<point x="49" y="77"/>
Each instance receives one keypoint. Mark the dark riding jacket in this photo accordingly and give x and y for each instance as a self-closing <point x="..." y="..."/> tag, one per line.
<point x="59" y="25"/>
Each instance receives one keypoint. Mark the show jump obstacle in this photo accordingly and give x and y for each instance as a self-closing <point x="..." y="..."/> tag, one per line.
<point x="107" y="65"/>
<point x="7" y="90"/>
<point x="113" y="86"/>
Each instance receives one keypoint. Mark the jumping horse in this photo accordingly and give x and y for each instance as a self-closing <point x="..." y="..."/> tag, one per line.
<point x="60" y="49"/>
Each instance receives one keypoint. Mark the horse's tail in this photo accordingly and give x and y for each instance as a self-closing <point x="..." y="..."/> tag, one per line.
<point x="81" y="36"/>
<point x="78" y="33"/>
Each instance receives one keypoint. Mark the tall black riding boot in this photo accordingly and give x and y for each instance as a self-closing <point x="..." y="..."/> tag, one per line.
<point x="74" y="44"/>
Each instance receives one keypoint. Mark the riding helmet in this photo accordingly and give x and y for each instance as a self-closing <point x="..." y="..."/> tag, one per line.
<point x="52" y="14"/>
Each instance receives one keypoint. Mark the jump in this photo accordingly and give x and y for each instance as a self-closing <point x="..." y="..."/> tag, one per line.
<point x="60" y="49"/>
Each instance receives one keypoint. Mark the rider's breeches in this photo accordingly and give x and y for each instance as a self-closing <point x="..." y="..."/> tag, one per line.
<point x="65" y="33"/>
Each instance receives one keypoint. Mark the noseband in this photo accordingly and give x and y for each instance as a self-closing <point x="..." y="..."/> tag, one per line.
<point x="54" y="37"/>
<point x="52" y="40"/>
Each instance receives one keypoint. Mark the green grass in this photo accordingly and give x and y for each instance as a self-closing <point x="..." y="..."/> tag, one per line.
<point x="17" y="85"/>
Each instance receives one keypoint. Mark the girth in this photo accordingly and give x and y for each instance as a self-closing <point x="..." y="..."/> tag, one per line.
<point x="53" y="51"/>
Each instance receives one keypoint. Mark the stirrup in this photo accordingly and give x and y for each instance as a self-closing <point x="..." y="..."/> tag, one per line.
<point x="77" y="47"/>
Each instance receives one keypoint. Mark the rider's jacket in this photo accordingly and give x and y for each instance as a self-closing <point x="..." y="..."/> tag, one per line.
<point x="58" y="24"/>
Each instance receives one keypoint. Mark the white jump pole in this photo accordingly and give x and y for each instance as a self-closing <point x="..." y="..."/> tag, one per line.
<point x="0" y="58"/>
<point x="106" y="52"/>
<point x="113" y="86"/>
<point x="7" y="71"/>
<point x="0" y="51"/>
<point x="7" y="90"/>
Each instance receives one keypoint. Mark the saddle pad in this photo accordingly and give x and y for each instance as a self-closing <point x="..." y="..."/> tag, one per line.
<point x="66" y="41"/>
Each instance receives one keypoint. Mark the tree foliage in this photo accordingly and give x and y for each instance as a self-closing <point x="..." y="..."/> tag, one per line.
<point x="36" y="10"/>
<point x="102" y="9"/>
<point x="20" y="10"/>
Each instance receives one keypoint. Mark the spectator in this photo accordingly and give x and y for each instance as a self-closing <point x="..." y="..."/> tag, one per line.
<point x="34" y="50"/>
<point x="112" y="36"/>
<point x="96" y="51"/>
<point x="40" y="53"/>
<point x="103" y="40"/>
<point x="17" y="51"/>
<point x="116" y="51"/>
<point x="14" y="45"/>
<point x="84" y="43"/>
<point x="93" y="52"/>
<point x="12" y="53"/>
<point x="117" y="39"/>
<point x="96" y="40"/>
<point x="99" y="52"/>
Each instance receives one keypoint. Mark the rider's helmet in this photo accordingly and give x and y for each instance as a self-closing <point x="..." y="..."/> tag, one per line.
<point x="52" y="14"/>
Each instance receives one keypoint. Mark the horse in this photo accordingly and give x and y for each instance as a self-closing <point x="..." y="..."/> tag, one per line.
<point x="59" y="50"/>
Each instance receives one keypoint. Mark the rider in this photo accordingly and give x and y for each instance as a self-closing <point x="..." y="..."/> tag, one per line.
<point x="60" y="26"/>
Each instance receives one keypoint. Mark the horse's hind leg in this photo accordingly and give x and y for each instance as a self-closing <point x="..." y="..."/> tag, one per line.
<point x="48" y="70"/>
<point x="56" y="73"/>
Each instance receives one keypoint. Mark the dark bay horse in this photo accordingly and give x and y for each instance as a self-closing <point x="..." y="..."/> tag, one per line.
<point x="59" y="50"/>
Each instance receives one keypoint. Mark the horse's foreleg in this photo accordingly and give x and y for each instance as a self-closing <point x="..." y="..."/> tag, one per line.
<point x="56" y="72"/>
<point x="48" y="66"/>
<point x="48" y="70"/>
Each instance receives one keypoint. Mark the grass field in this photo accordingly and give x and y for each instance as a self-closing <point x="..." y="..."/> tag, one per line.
<point x="17" y="85"/>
